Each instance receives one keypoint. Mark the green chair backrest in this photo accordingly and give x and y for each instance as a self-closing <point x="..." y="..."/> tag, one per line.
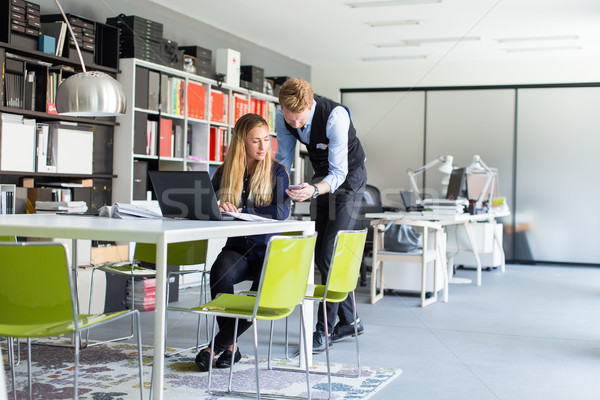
<point x="35" y="287"/>
<point x="346" y="260"/>
<point x="184" y="253"/>
<point x="285" y="271"/>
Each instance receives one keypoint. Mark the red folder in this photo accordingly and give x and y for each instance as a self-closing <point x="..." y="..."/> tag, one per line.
<point x="165" y="145"/>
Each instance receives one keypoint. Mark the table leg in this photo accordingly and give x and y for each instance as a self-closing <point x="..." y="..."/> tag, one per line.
<point x="474" y="250"/>
<point x="308" y="318"/>
<point x="159" y="320"/>
<point x="499" y="245"/>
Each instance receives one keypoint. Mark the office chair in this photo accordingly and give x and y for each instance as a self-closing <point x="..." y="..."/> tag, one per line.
<point x="31" y="274"/>
<point x="282" y="287"/>
<point x="342" y="279"/>
<point x="370" y="203"/>
<point x="182" y="254"/>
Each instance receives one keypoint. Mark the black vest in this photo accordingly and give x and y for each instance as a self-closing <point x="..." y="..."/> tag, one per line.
<point x="319" y="143"/>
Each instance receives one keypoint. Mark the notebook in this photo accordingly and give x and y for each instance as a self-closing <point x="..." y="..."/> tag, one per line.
<point x="409" y="199"/>
<point x="185" y="195"/>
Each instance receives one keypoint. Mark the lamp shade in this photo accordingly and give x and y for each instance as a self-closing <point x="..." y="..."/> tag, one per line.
<point x="446" y="167"/>
<point x="91" y="94"/>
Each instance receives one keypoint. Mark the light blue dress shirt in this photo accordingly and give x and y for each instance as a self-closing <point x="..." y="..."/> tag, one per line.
<point x="336" y="131"/>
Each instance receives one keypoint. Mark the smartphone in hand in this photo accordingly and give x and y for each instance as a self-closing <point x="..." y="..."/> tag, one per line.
<point x="294" y="187"/>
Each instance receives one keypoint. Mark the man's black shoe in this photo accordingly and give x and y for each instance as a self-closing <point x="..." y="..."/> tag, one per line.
<point x="203" y="360"/>
<point x="341" y="332"/>
<point x="224" y="360"/>
<point x="319" y="342"/>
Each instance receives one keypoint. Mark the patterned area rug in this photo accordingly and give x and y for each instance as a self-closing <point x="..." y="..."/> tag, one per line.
<point x="109" y="372"/>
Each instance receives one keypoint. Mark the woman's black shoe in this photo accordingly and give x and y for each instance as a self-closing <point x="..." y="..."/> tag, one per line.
<point x="203" y="360"/>
<point x="224" y="360"/>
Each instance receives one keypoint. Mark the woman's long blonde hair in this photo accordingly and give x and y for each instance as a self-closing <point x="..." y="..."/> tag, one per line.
<point x="235" y="165"/>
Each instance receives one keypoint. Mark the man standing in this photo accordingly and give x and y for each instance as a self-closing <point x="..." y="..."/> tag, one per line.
<point x="338" y="161"/>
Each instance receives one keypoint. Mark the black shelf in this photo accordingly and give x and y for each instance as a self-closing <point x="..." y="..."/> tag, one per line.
<point x="55" y="59"/>
<point x="57" y="175"/>
<point x="55" y="117"/>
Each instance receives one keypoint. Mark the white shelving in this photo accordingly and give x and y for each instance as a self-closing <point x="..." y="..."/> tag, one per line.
<point x="192" y="117"/>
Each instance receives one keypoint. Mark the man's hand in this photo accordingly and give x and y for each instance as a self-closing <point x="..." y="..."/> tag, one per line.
<point x="304" y="193"/>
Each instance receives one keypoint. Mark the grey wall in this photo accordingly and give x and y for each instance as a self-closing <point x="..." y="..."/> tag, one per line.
<point x="185" y="31"/>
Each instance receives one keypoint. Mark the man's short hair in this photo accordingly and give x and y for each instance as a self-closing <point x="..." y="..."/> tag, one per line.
<point x="296" y="95"/>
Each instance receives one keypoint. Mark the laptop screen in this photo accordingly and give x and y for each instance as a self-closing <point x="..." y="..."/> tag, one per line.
<point x="185" y="194"/>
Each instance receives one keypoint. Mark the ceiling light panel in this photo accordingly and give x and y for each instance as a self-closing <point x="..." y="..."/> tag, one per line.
<point x="551" y="48"/>
<point x="391" y="58"/>
<point x="389" y="3"/>
<point x="442" y="40"/>
<point x="403" y="22"/>
<point x="537" y="39"/>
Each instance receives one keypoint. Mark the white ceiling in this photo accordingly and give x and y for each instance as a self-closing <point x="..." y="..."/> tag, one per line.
<point x="324" y="32"/>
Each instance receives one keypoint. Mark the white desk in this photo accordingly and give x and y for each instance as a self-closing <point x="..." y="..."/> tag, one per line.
<point x="458" y="219"/>
<point x="159" y="232"/>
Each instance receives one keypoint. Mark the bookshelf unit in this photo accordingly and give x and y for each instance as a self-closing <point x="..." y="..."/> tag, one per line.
<point x="178" y="121"/>
<point x="35" y="70"/>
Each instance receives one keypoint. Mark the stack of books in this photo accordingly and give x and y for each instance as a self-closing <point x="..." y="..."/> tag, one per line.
<point x="445" y="207"/>
<point x="144" y="294"/>
<point x="67" y="207"/>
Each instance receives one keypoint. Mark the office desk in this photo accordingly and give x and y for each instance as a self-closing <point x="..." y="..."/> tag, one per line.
<point x="466" y="220"/>
<point x="158" y="231"/>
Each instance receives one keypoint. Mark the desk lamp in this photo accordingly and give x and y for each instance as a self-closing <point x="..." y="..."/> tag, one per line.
<point x="478" y="165"/>
<point x="445" y="168"/>
<point x="89" y="93"/>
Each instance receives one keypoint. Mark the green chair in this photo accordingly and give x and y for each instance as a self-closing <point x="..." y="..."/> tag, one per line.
<point x="37" y="299"/>
<point x="342" y="279"/>
<point x="182" y="254"/>
<point x="282" y="287"/>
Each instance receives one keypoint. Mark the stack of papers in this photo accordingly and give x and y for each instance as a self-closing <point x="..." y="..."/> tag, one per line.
<point x="444" y="206"/>
<point x="130" y="211"/>
<point x="60" y="206"/>
<point x="246" y="216"/>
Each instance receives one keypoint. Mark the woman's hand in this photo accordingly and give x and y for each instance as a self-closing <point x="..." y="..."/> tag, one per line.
<point x="304" y="193"/>
<point x="227" y="206"/>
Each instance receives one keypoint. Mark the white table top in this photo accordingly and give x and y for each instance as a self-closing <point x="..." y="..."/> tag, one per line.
<point x="444" y="219"/>
<point x="138" y="230"/>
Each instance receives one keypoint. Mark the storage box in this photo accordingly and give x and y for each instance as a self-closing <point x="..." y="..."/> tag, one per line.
<point x="228" y="63"/>
<point x="17" y="147"/>
<point x="47" y="44"/>
<point x="74" y="148"/>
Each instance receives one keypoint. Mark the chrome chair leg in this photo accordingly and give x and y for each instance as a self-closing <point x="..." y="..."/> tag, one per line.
<point x="327" y="349"/>
<point x="29" y="373"/>
<point x="356" y="334"/>
<point x="11" y="362"/>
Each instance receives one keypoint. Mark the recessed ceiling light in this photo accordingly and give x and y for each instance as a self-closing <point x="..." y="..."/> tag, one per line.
<point x="398" y="44"/>
<point x="401" y="22"/>
<point x="554" y="48"/>
<point x="390" y="58"/>
<point x="538" y="38"/>
<point x="389" y="3"/>
<point x="442" y="40"/>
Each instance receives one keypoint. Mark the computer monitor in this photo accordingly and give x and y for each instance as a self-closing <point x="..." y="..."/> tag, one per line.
<point x="476" y="182"/>
<point x="457" y="187"/>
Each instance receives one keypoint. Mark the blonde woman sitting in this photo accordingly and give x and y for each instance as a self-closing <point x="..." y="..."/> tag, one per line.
<point x="249" y="181"/>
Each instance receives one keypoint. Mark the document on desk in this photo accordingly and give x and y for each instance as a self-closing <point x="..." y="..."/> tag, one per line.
<point x="246" y="216"/>
<point x="130" y="211"/>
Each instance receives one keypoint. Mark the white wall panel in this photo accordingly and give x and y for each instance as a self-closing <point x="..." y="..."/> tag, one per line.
<point x="558" y="170"/>
<point x="390" y="126"/>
